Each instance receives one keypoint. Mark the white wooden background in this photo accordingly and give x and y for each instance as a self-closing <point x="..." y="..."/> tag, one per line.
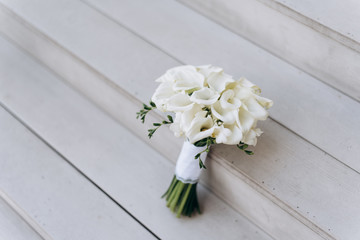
<point x="71" y="171"/>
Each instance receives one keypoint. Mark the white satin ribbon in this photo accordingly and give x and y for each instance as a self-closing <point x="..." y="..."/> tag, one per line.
<point x="187" y="167"/>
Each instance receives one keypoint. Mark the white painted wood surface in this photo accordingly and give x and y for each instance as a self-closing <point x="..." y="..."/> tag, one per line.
<point x="13" y="226"/>
<point x="294" y="193"/>
<point x="280" y="158"/>
<point x="302" y="103"/>
<point x="340" y="16"/>
<point x="85" y="79"/>
<point x="54" y="194"/>
<point x="320" y="102"/>
<point x="310" y="46"/>
<point x="121" y="164"/>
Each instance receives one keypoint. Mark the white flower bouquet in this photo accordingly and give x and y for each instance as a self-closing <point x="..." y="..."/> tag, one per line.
<point x="208" y="107"/>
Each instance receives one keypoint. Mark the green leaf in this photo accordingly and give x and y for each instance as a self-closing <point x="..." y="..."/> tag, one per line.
<point x="170" y="118"/>
<point x="242" y="147"/>
<point x="197" y="155"/>
<point x="201" y="143"/>
<point x="152" y="104"/>
<point x="157" y="124"/>
<point x="249" y="152"/>
<point x="201" y="164"/>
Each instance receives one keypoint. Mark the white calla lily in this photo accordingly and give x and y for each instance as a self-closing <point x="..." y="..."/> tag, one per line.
<point x="221" y="134"/>
<point x="206" y="70"/>
<point x="264" y="102"/>
<point x="228" y="116"/>
<point x="245" y="119"/>
<point x="179" y="102"/>
<point x="255" y="109"/>
<point x="251" y="136"/>
<point x="204" y="96"/>
<point x="246" y="83"/>
<point x="235" y="136"/>
<point x="218" y="81"/>
<point x="228" y="100"/>
<point x="162" y="95"/>
<point x="188" y="81"/>
<point x="201" y="127"/>
<point x="176" y="126"/>
<point x="188" y="115"/>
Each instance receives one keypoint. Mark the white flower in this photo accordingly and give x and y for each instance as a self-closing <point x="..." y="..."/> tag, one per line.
<point x="251" y="137"/>
<point x="255" y="109"/>
<point x="201" y="127"/>
<point x="188" y="116"/>
<point x="222" y="134"/>
<point x="226" y="115"/>
<point x="218" y="81"/>
<point x="229" y="101"/>
<point x="206" y="70"/>
<point x="175" y="127"/>
<point x="179" y="102"/>
<point x="209" y="103"/>
<point x="162" y="95"/>
<point x="204" y="96"/>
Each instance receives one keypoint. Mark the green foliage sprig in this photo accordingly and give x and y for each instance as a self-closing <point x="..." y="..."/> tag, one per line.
<point x="157" y="125"/>
<point x="146" y="109"/>
<point x="202" y="143"/>
<point x="243" y="146"/>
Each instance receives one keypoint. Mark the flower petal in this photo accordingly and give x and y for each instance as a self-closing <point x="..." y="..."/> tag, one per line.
<point x="162" y="95"/>
<point x="200" y="128"/>
<point x="189" y="115"/>
<point x="179" y="102"/>
<point x="227" y="100"/>
<point x="204" y="96"/>
<point x="245" y="120"/>
<point x="264" y="102"/>
<point x="186" y="80"/>
<point x="235" y="136"/>
<point x="228" y="116"/>
<point x="206" y="70"/>
<point x="218" y="81"/>
<point x="256" y="109"/>
<point x="251" y="137"/>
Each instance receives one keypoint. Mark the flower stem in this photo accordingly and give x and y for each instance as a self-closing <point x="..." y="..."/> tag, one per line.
<point x="181" y="198"/>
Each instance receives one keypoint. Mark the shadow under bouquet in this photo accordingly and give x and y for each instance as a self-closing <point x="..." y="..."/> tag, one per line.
<point x="206" y="106"/>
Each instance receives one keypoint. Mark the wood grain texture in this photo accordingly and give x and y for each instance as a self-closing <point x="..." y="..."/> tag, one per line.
<point x="114" y="101"/>
<point x="56" y="196"/>
<point x="13" y="226"/>
<point x="302" y="103"/>
<point x="342" y="18"/>
<point x="125" y="167"/>
<point x="327" y="55"/>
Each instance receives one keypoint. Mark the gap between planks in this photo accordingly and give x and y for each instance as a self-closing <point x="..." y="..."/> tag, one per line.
<point x="32" y="223"/>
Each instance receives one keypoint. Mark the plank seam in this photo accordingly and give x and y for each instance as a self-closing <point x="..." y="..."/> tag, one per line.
<point x="272" y="53"/>
<point x="23" y="215"/>
<point x="181" y="62"/>
<point x="121" y="91"/>
<point x="74" y="167"/>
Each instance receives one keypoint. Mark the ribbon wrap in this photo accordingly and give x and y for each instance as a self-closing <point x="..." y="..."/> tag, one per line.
<point x="187" y="167"/>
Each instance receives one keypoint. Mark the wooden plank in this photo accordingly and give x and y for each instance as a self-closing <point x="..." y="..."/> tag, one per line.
<point x="342" y="17"/>
<point x="121" y="164"/>
<point x="13" y="226"/>
<point x="56" y="196"/>
<point x="259" y="208"/>
<point x="311" y="108"/>
<point x="318" y="50"/>
<point x="322" y="103"/>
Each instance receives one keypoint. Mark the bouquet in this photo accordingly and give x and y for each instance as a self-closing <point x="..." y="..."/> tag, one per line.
<point x="206" y="106"/>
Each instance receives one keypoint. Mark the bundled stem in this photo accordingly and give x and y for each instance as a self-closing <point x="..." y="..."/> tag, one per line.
<point x="181" y="198"/>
